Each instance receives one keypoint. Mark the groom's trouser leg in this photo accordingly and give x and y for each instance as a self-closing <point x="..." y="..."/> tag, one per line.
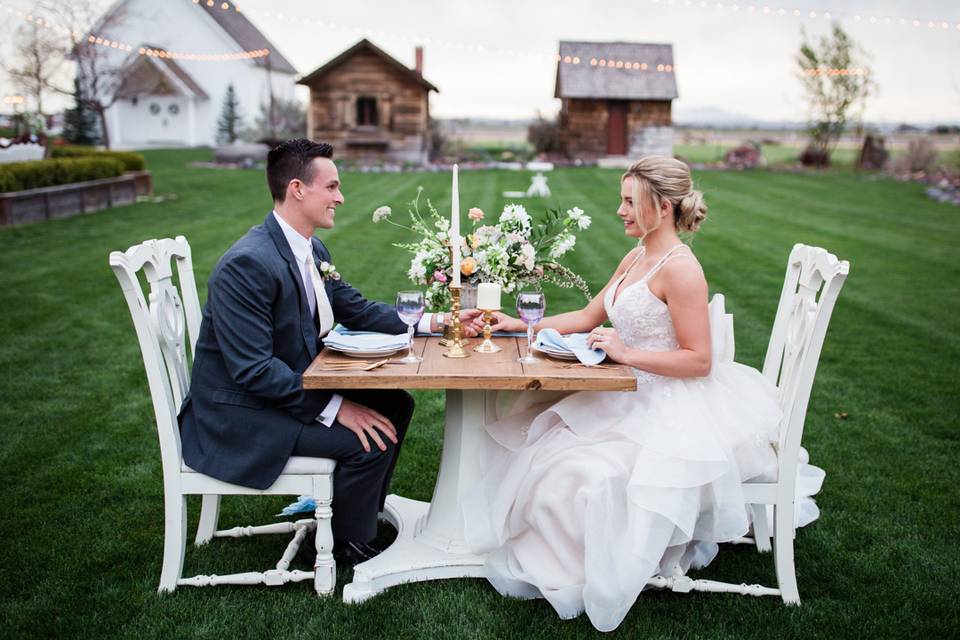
<point x="361" y="479"/>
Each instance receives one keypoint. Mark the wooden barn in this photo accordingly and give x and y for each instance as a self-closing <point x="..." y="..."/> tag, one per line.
<point x="370" y="106"/>
<point x="616" y="99"/>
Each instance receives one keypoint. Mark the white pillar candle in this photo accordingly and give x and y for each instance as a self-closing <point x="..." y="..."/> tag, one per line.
<point x="488" y="296"/>
<point x="455" y="228"/>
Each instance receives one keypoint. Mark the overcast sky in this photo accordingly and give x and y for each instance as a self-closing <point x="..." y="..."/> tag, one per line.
<point x="737" y="61"/>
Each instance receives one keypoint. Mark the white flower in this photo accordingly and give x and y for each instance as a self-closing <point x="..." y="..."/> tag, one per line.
<point x="516" y="212"/>
<point x="563" y="243"/>
<point x="418" y="270"/>
<point x="328" y="271"/>
<point x="513" y="238"/>
<point x="527" y="256"/>
<point x="381" y="213"/>
<point x="577" y="215"/>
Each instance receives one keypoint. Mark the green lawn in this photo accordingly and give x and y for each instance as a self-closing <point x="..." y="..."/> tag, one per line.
<point x="82" y="516"/>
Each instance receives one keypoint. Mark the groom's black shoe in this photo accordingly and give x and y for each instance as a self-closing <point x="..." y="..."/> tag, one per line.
<point x="348" y="553"/>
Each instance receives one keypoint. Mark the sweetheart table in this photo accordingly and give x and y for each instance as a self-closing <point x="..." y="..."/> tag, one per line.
<point x="430" y="541"/>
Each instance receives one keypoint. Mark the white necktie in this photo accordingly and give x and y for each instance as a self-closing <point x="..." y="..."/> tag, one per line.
<point x="324" y="312"/>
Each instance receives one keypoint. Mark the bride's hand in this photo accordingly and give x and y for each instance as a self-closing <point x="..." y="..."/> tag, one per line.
<point x="609" y="341"/>
<point x="503" y="322"/>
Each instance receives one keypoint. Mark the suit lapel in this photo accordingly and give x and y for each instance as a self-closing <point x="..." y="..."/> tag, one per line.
<point x="307" y="325"/>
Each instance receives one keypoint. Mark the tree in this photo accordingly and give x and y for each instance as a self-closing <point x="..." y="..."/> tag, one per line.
<point x="836" y="80"/>
<point x="544" y="135"/>
<point x="228" y="126"/>
<point x="79" y="122"/>
<point x="279" y="120"/>
<point x="38" y="60"/>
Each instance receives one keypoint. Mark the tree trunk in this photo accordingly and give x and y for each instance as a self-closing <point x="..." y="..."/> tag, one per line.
<point x="104" y="133"/>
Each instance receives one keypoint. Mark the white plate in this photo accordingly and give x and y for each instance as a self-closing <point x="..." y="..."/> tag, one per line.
<point x="367" y="353"/>
<point x="560" y="355"/>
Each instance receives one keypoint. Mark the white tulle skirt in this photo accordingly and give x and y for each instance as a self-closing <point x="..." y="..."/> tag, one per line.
<point x="587" y="495"/>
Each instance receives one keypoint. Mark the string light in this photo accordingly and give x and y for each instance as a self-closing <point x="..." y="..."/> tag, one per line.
<point x="826" y="71"/>
<point x="794" y="12"/>
<point x="143" y="51"/>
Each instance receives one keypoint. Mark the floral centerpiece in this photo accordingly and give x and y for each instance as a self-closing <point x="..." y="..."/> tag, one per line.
<point x="515" y="251"/>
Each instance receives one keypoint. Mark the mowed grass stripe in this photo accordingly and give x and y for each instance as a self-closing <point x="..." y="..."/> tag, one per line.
<point x="79" y="441"/>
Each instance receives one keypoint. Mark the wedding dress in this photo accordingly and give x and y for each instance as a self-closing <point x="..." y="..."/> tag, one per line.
<point x="588" y="495"/>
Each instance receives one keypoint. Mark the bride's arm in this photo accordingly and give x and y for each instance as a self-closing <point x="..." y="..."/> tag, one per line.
<point x="578" y="321"/>
<point x="685" y="291"/>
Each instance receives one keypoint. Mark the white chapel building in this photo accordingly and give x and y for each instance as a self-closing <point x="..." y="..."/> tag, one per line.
<point x="167" y="101"/>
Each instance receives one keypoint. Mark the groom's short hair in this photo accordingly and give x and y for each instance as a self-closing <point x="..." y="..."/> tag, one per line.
<point x="292" y="159"/>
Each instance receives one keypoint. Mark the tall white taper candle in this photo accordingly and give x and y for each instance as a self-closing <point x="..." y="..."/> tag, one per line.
<point x="455" y="227"/>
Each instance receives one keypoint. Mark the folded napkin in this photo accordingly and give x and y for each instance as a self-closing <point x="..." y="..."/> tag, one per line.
<point x="341" y="338"/>
<point x="575" y="343"/>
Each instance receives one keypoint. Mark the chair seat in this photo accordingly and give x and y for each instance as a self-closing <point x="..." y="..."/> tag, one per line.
<point x="296" y="465"/>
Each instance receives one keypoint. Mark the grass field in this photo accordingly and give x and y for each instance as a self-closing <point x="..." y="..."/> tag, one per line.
<point x="82" y="520"/>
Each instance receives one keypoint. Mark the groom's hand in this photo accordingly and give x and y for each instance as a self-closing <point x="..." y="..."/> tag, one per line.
<point x="472" y="321"/>
<point x="365" y="423"/>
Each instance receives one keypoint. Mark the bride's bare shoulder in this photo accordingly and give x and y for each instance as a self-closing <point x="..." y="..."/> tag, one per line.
<point x="683" y="269"/>
<point x="628" y="260"/>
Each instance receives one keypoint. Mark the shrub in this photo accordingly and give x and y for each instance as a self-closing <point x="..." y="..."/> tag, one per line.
<point x="919" y="156"/>
<point x="131" y="161"/>
<point x="19" y="176"/>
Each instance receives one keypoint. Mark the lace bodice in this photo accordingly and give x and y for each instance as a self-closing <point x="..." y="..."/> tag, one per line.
<point x="641" y="318"/>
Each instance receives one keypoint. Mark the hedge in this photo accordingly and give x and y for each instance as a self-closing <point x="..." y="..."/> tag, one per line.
<point x="131" y="161"/>
<point x="19" y="176"/>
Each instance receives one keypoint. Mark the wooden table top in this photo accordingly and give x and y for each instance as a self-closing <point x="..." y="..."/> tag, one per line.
<point x="480" y="371"/>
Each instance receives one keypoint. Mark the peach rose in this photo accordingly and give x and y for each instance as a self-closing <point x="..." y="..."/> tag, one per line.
<point x="468" y="266"/>
<point x="475" y="214"/>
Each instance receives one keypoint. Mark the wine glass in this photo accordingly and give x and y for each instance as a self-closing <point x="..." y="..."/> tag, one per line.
<point x="410" y="306"/>
<point x="531" y="305"/>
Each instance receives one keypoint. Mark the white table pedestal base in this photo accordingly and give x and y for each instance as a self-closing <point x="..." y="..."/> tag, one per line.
<point x="410" y="558"/>
<point x="430" y="542"/>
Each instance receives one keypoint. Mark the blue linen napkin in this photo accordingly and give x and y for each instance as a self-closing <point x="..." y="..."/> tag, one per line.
<point x="575" y="343"/>
<point x="303" y="504"/>
<point x="364" y="340"/>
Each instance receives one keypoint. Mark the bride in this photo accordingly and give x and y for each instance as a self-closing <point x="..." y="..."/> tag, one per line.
<point x="588" y="496"/>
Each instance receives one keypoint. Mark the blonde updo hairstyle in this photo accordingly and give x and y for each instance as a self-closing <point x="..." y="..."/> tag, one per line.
<point x="659" y="178"/>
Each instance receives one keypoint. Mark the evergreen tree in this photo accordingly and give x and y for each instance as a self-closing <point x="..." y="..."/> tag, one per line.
<point x="228" y="126"/>
<point x="80" y="122"/>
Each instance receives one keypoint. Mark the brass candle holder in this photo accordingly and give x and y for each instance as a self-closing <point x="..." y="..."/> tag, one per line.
<point x="487" y="345"/>
<point x="455" y="343"/>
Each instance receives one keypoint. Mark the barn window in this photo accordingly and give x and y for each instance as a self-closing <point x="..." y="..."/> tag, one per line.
<point x="367" y="111"/>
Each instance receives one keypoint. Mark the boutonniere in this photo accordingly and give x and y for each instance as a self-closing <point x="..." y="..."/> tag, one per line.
<point x="328" y="271"/>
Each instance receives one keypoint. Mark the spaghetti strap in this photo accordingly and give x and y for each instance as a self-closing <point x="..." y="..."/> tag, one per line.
<point x="662" y="261"/>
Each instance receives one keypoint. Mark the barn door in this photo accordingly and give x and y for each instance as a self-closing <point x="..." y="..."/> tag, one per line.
<point x="616" y="128"/>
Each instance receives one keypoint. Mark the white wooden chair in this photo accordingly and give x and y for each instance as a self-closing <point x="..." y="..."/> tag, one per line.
<point x="159" y="323"/>
<point x="813" y="281"/>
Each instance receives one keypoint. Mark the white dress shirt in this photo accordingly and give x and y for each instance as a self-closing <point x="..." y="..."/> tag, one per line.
<point x="303" y="253"/>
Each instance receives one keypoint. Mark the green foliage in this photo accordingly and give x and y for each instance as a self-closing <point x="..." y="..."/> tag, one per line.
<point x="131" y="160"/>
<point x="85" y="488"/>
<point x="836" y="80"/>
<point x="230" y="122"/>
<point x="20" y="176"/>
<point x="80" y="123"/>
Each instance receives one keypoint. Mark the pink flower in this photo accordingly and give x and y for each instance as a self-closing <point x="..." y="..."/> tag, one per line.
<point x="440" y="276"/>
<point x="475" y="214"/>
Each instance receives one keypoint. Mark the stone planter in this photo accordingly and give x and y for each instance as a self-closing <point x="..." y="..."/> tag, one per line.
<point x="67" y="200"/>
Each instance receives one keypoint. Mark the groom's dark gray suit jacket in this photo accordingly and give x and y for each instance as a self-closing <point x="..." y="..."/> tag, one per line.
<point x="247" y="405"/>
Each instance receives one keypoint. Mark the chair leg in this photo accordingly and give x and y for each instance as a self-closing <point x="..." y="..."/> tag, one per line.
<point x="174" y="539"/>
<point x="783" y="552"/>
<point x="761" y="530"/>
<point x="324" y="568"/>
<point x="209" y="517"/>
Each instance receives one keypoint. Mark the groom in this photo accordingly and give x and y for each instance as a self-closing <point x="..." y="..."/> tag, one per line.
<point x="267" y="305"/>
